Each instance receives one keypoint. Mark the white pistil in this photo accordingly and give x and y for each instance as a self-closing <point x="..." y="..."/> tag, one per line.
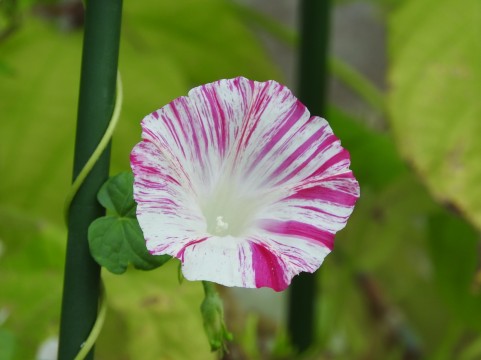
<point x="221" y="226"/>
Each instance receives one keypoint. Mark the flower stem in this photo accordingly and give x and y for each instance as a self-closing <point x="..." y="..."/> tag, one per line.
<point x="209" y="288"/>
<point x="312" y="81"/>
<point x="212" y="310"/>
<point x="96" y="103"/>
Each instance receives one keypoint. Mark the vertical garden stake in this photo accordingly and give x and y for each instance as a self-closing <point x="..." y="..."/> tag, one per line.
<point x="312" y="74"/>
<point x="96" y="103"/>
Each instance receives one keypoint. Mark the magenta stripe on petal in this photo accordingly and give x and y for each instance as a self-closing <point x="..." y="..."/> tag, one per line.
<point x="280" y="171"/>
<point x="267" y="270"/>
<point x="300" y="230"/>
<point x="180" y="254"/>
<point x="336" y="196"/>
<point x="279" y="132"/>
<point x="341" y="159"/>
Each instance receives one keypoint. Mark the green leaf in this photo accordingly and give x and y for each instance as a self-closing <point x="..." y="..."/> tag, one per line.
<point x="374" y="159"/>
<point x="31" y="267"/>
<point x="149" y="314"/>
<point x="115" y="242"/>
<point x="434" y="103"/>
<point x="472" y="351"/>
<point x="454" y="247"/>
<point x="383" y="220"/>
<point x="7" y="344"/>
<point x="5" y="69"/>
<point x="117" y="194"/>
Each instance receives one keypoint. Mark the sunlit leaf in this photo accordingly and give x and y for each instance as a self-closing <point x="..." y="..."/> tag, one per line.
<point x="152" y="315"/>
<point x="436" y="81"/>
<point x="31" y="267"/>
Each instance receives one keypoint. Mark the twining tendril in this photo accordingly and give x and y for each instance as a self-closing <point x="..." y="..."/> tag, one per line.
<point x="94" y="333"/>
<point x="99" y="322"/>
<point x="98" y="150"/>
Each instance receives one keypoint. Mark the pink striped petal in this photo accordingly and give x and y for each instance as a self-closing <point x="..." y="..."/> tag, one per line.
<point x="240" y="183"/>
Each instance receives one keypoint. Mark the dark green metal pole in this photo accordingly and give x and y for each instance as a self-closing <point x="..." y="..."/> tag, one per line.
<point x="96" y="103"/>
<point x="312" y="81"/>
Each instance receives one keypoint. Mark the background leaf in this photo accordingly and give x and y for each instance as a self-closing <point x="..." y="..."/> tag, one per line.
<point x="374" y="159"/>
<point x="455" y="249"/>
<point x="435" y="78"/>
<point x="152" y="315"/>
<point x="7" y="344"/>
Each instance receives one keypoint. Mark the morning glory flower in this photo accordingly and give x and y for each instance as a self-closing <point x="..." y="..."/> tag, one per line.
<point x="241" y="184"/>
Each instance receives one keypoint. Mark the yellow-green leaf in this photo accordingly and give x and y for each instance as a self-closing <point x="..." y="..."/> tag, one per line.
<point x="435" y="76"/>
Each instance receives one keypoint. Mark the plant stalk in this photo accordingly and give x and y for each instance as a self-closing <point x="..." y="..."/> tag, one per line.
<point x="312" y="85"/>
<point x="96" y="103"/>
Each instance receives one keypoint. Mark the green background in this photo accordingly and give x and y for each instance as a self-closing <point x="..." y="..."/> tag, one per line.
<point x="405" y="274"/>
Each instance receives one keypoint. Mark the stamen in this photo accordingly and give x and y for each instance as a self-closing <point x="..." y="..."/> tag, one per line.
<point x="221" y="226"/>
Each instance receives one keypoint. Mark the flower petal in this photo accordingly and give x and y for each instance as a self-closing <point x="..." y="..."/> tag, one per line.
<point x="225" y="260"/>
<point x="277" y="259"/>
<point x="254" y="262"/>
<point x="248" y="157"/>
<point x="167" y="213"/>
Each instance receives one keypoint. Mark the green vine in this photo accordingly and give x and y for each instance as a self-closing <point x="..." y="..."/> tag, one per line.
<point x="98" y="150"/>
<point x="99" y="323"/>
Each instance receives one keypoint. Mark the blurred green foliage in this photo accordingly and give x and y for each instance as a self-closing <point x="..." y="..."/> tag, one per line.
<point x="434" y="102"/>
<point x="404" y="280"/>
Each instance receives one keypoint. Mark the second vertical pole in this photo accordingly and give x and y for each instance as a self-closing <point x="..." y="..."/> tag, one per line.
<point x="311" y="91"/>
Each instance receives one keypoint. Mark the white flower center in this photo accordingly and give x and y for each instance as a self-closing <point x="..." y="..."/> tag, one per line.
<point x="221" y="226"/>
<point x="229" y="209"/>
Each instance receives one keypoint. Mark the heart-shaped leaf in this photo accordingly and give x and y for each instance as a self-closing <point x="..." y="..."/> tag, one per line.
<point x="117" y="195"/>
<point x="116" y="240"/>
